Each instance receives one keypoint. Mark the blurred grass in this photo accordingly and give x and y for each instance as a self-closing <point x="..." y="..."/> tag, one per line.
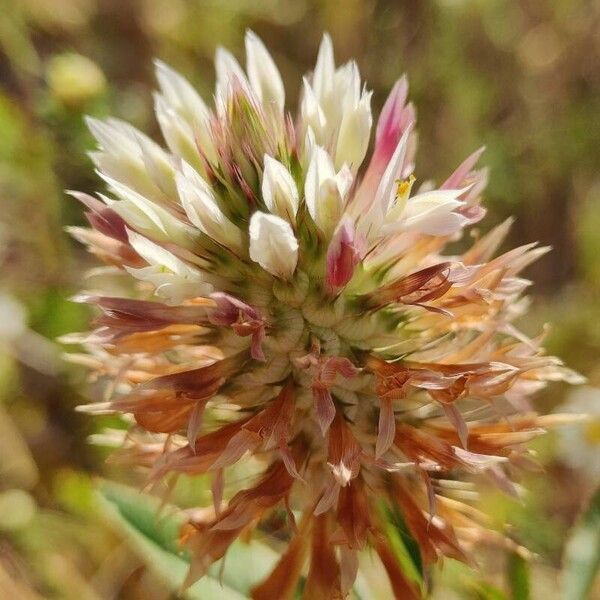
<point x="522" y="78"/>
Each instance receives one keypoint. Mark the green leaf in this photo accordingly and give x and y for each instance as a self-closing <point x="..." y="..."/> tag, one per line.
<point x="403" y="544"/>
<point x="486" y="591"/>
<point x="153" y="532"/>
<point x="518" y="577"/>
<point x="582" y="554"/>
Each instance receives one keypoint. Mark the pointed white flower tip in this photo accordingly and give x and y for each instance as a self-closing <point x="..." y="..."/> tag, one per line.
<point x="177" y="132"/>
<point x="326" y="190"/>
<point x="201" y="207"/>
<point x="322" y="78"/>
<point x="115" y="136"/>
<point x="354" y="134"/>
<point x="279" y="190"/>
<point x="273" y="245"/>
<point x="311" y="111"/>
<point x="347" y="84"/>
<point x="263" y="73"/>
<point x="179" y="93"/>
<point x="390" y="116"/>
<point x="230" y="74"/>
<point x="308" y="148"/>
<point x="132" y="158"/>
<point x="320" y="169"/>
<point x="184" y="118"/>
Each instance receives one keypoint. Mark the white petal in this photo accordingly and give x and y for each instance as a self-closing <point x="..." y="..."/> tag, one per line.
<point x="177" y="132"/>
<point x="159" y="166"/>
<point x="201" y="207"/>
<point x="346" y="84"/>
<point x="156" y="255"/>
<point x="320" y="167"/>
<point x="325" y="190"/>
<point x="181" y="97"/>
<point x="311" y="112"/>
<point x="173" y="279"/>
<point x="229" y="76"/>
<point x="146" y="216"/>
<point x="322" y="78"/>
<point x="431" y="213"/>
<point x="180" y="94"/>
<point x="279" y="190"/>
<point x="263" y="73"/>
<point x="121" y="156"/>
<point x="273" y="245"/>
<point x="114" y="136"/>
<point x="354" y="134"/>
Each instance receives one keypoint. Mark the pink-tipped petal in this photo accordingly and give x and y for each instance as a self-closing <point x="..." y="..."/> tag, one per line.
<point x="344" y="253"/>
<point x="392" y="118"/>
<point x="395" y="120"/>
<point x="462" y="171"/>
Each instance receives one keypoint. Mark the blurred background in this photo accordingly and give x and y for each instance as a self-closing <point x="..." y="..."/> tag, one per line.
<point x="523" y="78"/>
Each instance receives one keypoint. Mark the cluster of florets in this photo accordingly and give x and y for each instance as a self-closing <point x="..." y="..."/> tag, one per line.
<point x="294" y="304"/>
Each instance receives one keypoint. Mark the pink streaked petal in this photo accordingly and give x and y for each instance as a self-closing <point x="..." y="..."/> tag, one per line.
<point x="238" y="445"/>
<point x="431" y="499"/>
<point x="499" y="477"/>
<point x="387" y="427"/>
<point x="477" y="463"/>
<point x="288" y="460"/>
<point x="328" y="497"/>
<point x="102" y="218"/>
<point x="455" y="417"/>
<point x="256" y="350"/>
<point x="462" y="171"/>
<point x="229" y="308"/>
<point x="392" y="118"/>
<point x="473" y="214"/>
<point x="238" y="518"/>
<point x="195" y="423"/>
<point x="324" y="408"/>
<point x="336" y="365"/>
<point x="243" y="318"/>
<point x="390" y="133"/>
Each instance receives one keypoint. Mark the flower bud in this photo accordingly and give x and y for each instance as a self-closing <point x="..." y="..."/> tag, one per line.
<point x="273" y="245"/>
<point x="279" y="190"/>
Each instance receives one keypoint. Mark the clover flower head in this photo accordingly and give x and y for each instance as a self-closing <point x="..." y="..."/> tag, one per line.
<point x="295" y="306"/>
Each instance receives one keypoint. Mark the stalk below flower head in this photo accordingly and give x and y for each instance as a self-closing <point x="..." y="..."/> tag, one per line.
<point x="295" y="303"/>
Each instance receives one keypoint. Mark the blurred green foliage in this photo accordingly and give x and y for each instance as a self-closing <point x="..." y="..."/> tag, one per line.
<point x="523" y="78"/>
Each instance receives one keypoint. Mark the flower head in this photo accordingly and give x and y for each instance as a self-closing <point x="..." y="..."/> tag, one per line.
<point x="295" y="303"/>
